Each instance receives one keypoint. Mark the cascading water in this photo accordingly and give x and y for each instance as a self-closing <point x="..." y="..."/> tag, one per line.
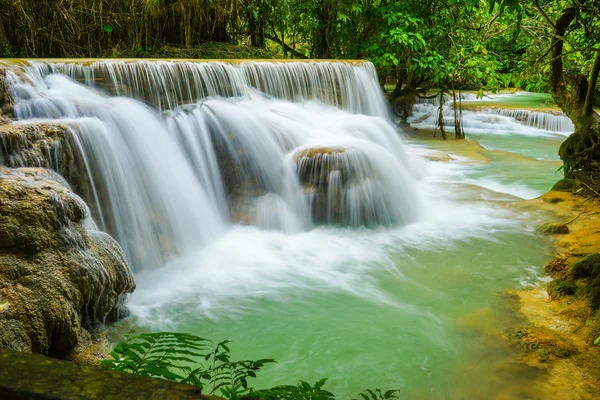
<point x="167" y="85"/>
<point x="241" y="193"/>
<point x="482" y="115"/>
<point x="222" y="143"/>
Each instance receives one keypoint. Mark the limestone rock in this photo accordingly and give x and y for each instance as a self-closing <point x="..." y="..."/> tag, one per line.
<point x="36" y="145"/>
<point x="58" y="280"/>
<point x="6" y="101"/>
<point x="43" y="145"/>
<point x="342" y="186"/>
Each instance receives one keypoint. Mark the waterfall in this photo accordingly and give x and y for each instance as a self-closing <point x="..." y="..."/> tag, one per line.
<point x="169" y="84"/>
<point x="176" y="153"/>
<point x="549" y="121"/>
<point x="488" y="117"/>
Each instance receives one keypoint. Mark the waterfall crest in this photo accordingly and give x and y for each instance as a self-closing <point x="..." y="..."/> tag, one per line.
<point x="169" y="84"/>
<point x="174" y="153"/>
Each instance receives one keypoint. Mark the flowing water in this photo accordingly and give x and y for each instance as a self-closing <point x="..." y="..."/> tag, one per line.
<point x="276" y="205"/>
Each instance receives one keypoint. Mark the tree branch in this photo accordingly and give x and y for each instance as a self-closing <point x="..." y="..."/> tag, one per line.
<point x="489" y="25"/>
<point x="543" y="14"/>
<point x="295" y="52"/>
<point x="589" y="98"/>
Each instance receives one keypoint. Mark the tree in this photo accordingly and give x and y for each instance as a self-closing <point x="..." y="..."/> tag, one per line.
<point x="571" y="30"/>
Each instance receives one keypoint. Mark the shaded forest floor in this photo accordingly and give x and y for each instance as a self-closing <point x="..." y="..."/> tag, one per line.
<point x="207" y="50"/>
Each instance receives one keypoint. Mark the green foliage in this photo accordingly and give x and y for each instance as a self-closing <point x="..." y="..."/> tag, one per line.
<point x="379" y="395"/>
<point x="6" y="50"/>
<point x="301" y="391"/>
<point x="185" y="358"/>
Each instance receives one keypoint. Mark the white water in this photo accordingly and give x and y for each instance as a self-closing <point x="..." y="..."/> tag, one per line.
<point x="252" y="210"/>
<point x="167" y="183"/>
<point x="173" y="181"/>
<point x="168" y="84"/>
<point x="491" y="119"/>
<point x="172" y="186"/>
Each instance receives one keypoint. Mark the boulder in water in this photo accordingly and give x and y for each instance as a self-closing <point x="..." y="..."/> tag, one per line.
<point x="554" y="228"/>
<point x="342" y="187"/>
<point x="59" y="282"/>
<point x="316" y="163"/>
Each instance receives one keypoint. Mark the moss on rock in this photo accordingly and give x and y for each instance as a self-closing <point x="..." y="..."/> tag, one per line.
<point x="589" y="268"/>
<point x="27" y="376"/>
<point x="567" y="185"/>
<point x="554" y="229"/>
<point x="561" y="287"/>
<point x="57" y="278"/>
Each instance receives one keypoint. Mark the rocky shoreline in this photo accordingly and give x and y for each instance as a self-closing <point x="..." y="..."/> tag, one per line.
<point x="562" y="320"/>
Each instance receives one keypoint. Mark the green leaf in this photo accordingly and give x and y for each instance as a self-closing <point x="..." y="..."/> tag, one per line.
<point x="108" y="28"/>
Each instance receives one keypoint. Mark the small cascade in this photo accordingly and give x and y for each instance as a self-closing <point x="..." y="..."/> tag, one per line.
<point x="548" y="121"/>
<point x="282" y="146"/>
<point x="489" y="118"/>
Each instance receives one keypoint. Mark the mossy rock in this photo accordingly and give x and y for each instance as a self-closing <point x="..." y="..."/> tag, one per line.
<point x="553" y="200"/>
<point x="57" y="279"/>
<point x="37" y="146"/>
<point x="589" y="268"/>
<point x="561" y="287"/>
<point x="557" y="264"/>
<point x="554" y="229"/>
<point x="43" y="145"/>
<point x="567" y="185"/>
<point x="28" y="376"/>
<point x="6" y="101"/>
<point x="580" y="152"/>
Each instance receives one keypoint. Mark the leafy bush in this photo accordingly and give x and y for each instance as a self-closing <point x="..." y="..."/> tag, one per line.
<point x="185" y="358"/>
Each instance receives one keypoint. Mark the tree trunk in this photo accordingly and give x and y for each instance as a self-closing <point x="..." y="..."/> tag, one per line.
<point x="256" y="26"/>
<point x="324" y="16"/>
<point x="574" y="95"/>
<point x="441" y="118"/>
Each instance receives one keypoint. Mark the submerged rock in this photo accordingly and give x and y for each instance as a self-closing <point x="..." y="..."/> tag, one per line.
<point x="59" y="282"/>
